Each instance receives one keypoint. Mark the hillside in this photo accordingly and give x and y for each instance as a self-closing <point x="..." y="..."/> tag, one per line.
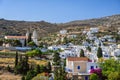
<point x="109" y="21"/>
<point x="11" y="27"/>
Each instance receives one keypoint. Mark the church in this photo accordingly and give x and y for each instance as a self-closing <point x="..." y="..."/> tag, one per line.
<point x="23" y="39"/>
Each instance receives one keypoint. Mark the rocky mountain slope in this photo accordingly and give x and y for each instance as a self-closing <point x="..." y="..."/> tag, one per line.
<point x="108" y="21"/>
<point x="12" y="27"/>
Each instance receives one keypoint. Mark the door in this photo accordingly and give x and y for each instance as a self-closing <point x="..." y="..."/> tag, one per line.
<point x="86" y="77"/>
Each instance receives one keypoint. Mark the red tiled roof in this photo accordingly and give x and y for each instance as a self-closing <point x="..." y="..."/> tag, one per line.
<point x="16" y="37"/>
<point x="78" y="59"/>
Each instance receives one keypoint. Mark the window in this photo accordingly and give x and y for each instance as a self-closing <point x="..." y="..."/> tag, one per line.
<point x="105" y="55"/>
<point x="92" y="67"/>
<point x="62" y="55"/>
<point x="78" y="67"/>
<point x="96" y="66"/>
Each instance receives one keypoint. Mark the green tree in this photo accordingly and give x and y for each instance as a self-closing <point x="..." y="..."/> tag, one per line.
<point x="22" y="67"/>
<point x="7" y="41"/>
<point x="35" y="52"/>
<point x="16" y="58"/>
<point x="94" y="77"/>
<point x="56" y="58"/>
<point x="88" y="40"/>
<point x="99" y="52"/>
<point x="30" y="74"/>
<point x="88" y="48"/>
<point x="29" y="38"/>
<point x="56" y="74"/>
<point x="82" y="53"/>
<point x="59" y="73"/>
<point x="1" y="42"/>
<point x="62" y="73"/>
<point x="8" y="68"/>
<point x="114" y="76"/>
<point x="42" y="68"/>
<point x="49" y="67"/>
<point x="23" y="78"/>
<point x="16" y="43"/>
<point x="37" y="69"/>
<point x="110" y="67"/>
<point x="31" y="44"/>
<point x="66" y="40"/>
<point x="25" y="42"/>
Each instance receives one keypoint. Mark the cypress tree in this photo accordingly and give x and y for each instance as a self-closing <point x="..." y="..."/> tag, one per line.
<point x="25" y="42"/>
<point x="22" y="66"/>
<point x="49" y="67"/>
<point x="56" y="74"/>
<point x="20" y="58"/>
<point x="82" y="53"/>
<point x="89" y="49"/>
<point x="99" y="52"/>
<point x="16" y="59"/>
<point x="29" y="38"/>
<point x="56" y="58"/>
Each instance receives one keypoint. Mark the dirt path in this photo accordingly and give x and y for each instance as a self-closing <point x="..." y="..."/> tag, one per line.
<point x="9" y="76"/>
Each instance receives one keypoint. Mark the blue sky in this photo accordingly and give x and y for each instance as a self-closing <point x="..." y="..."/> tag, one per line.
<point x="57" y="11"/>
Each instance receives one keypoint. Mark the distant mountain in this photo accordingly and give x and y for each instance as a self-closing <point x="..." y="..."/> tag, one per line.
<point x="12" y="27"/>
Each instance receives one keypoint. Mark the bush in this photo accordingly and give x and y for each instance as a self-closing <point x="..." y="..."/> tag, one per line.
<point x="114" y="76"/>
<point x="23" y="78"/>
<point x="30" y="74"/>
<point x="8" y="68"/>
<point x="37" y="69"/>
<point x="97" y="71"/>
<point x="94" y="77"/>
<point x="34" y="52"/>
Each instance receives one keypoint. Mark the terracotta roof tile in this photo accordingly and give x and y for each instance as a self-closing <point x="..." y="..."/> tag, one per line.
<point x="78" y="59"/>
<point x="16" y="37"/>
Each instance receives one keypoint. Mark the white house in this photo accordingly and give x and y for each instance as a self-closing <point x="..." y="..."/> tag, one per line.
<point x="116" y="52"/>
<point x="63" y="32"/>
<point x="94" y="30"/>
<point x="54" y="47"/>
<point x="91" y="65"/>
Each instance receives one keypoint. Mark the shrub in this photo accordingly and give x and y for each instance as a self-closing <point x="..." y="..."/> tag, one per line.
<point x="97" y="71"/>
<point x="8" y="68"/>
<point x="30" y="74"/>
<point x="94" y="77"/>
<point x="23" y="78"/>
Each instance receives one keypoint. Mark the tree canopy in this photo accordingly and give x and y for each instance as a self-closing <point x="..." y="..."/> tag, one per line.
<point x="56" y="58"/>
<point x="93" y="76"/>
<point x="111" y="69"/>
<point x="35" y="52"/>
<point x="32" y="44"/>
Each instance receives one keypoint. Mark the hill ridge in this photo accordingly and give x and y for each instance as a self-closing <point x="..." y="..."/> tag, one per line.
<point x="13" y="27"/>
